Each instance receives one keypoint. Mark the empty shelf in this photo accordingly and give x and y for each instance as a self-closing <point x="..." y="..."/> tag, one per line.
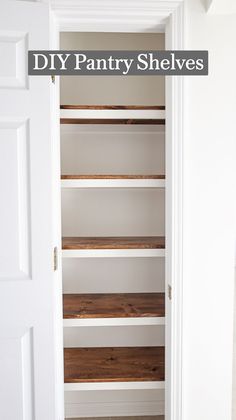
<point x="113" y="305"/>
<point x="113" y="121"/>
<point x="125" y="418"/>
<point x="113" y="177"/>
<point x="114" y="364"/>
<point x="113" y="181"/>
<point x="116" y="107"/>
<point x="113" y="242"/>
<point x="112" y="114"/>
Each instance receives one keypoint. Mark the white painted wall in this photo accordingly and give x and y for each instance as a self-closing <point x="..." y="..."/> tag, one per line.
<point x="221" y="7"/>
<point x="209" y="217"/>
<point x="129" y="149"/>
<point x="112" y="90"/>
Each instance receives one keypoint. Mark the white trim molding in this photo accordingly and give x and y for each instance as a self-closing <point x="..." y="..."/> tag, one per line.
<point x="111" y="386"/>
<point x="113" y="113"/>
<point x="113" y="253"/>
<point x="114" y="15"/>
<point x="112" y="322"/>
<point x="113" y="183"/>
<point x="174" y="221"/>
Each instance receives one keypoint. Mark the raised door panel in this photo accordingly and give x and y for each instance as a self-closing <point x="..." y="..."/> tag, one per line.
<point x="13" y="55"/>
<point x="15" y="252"/>
<point x="16" y="379"/>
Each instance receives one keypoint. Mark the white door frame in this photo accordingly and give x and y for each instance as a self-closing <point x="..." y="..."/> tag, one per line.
<point x="151" y="16"/>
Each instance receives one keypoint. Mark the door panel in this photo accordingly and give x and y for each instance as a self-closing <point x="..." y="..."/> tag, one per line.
<point x="27" y="280"/>
<point x="16" y="384"/>
<point x="15" y="257"/>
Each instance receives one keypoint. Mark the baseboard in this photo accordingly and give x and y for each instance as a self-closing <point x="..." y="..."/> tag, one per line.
<point x="96" y="409"/>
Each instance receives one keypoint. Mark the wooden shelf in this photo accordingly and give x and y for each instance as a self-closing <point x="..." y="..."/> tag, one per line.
<point x="114" y="364"/>
<point x="112" y="114"/>
<point x="116" y="107"/>
<point x="113" y="176"/>
<point x="125" y="418"/>
<point x="113" y="305"/>
<point x="113" y="121"/>
<point x="113" y="242"/>
<point x="113" y="181"/>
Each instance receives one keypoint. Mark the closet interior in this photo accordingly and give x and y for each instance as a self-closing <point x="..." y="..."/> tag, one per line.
<point x="113" y="235"/>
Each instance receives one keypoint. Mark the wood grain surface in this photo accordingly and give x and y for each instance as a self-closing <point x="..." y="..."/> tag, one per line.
<point x="114" y="364"/>
<point x="114" y="242"/>
<point x="135" y="107"/>
<point x="109" y="176"/>
<point x="114" y="305"/>
<point x="121" y="418"/>
<point x="114" y="121"/>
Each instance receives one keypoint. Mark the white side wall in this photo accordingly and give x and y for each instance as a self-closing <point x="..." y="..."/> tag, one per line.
<point x="221" y="7"/>
<point x="209" y="213"/>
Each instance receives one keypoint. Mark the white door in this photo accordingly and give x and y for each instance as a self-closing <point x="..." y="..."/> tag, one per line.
<point x="27" y="281"/>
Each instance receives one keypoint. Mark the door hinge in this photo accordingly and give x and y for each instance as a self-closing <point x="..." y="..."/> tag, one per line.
<point x="53" y="77"/>
<point x="169" y="292"/>
<point x="55" y="258"/>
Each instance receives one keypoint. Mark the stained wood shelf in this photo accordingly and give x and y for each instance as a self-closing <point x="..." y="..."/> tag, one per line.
<point x="113" y="247"/>
<point x="114" y="121"/>
<point x="126" y="418"/>
<point x="112" y="181"/>
<point x="112" y="114"/>
<point x="113" y="305"/>
<point x="115" y="107"/>
<point x="113" y="242"/>
<point x="114" y="364"/>
<point x="113" y="176"/>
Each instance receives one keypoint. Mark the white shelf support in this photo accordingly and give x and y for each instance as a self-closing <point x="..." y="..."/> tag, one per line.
<point x="112" y="113"/>
<point x="116" y="386"/>
<point x="112" y="253"/>
<point x="113" y="322"/>
<point x="113" y="183"/>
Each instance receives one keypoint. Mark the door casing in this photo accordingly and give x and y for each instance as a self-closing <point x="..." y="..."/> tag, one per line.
<point x="150" y="16"/>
